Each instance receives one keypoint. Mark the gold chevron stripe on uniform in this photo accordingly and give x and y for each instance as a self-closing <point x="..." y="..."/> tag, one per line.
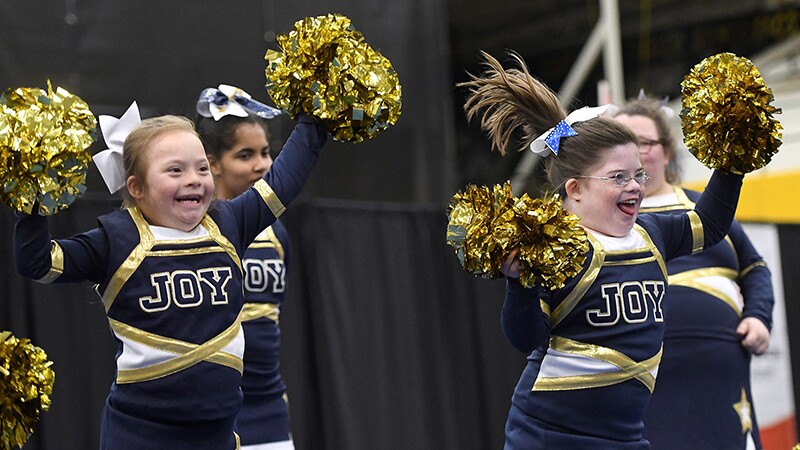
<point x="629" y="369"/>
<point x="689" y="279"/>
<point x="269" y="241"/>
<point x="598" y="261"/>
<point x="252" y="311"/>
<point x="575" y="296"/>
<point x="270" y="198"/>
<point x="56" y="264"/>
<point x="187" y="354"/>
<point x="146" y="243"/>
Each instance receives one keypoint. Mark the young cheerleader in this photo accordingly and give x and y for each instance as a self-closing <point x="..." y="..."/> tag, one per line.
<point x="169" y="270"/>
<point x="236" y="143"/>
<point x="720" y="309"/>
<point x="594" y="344"/>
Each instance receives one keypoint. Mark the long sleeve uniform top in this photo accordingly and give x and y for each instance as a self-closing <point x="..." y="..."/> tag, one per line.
<point x="173" y="299"/>
<point x="595" y="344"/>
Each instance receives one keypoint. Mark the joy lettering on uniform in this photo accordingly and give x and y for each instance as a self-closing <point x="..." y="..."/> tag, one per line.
<point x="631" y="301"/>
<point x="264" y="274"/>
<point x="187" y="288"/>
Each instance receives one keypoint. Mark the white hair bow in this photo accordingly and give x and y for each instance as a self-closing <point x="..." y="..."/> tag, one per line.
<point x="109" y="161"/>
<point x="230" y="100"/>
<point x="551" y="139"/>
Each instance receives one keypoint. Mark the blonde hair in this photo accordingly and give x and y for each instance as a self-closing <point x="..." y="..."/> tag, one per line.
<point x="134" y="150"/>
<point x="512" y="103"/>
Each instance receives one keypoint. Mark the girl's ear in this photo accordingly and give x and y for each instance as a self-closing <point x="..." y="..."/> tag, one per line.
<point x="135" y="187"/>
<point x="573" y="189"/>
<point x="215" y="165"/>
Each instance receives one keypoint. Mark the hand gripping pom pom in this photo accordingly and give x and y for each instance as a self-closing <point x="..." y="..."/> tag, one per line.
<point x="44" y="138"/>
<point x="326" y="70"/>
<point x="726" y="115"/>
<point x="26" y="384"/>
<point x="485" y="225"/>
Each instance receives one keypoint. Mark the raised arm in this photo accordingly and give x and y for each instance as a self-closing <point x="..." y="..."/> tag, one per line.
<point x="283" y="182"/>
<point x="716" y="206"/>
<point x="38" y="257"/>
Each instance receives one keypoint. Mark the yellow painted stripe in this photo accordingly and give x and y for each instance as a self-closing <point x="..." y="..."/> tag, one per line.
<point x="770" y="198"/>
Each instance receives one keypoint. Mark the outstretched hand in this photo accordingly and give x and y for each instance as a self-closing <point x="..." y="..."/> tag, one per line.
<point x="755" y="335"/>
<point x="510" y="267"/>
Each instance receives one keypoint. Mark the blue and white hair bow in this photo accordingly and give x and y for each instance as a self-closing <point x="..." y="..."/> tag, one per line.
<point x="550" y="140"/>
<point x="109" y="161"/>
<point x="230" y="100"/>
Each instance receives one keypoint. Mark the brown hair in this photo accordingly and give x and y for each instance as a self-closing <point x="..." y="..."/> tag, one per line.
<point x="652" y="109"/>
<point x="134" y="150"/>
<point x="511" y="102"/>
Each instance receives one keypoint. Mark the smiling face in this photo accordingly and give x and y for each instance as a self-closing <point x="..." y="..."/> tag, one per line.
<point x="176" y="186"/>
<point x="603" y="205"/>
<point x="245" y="163"/>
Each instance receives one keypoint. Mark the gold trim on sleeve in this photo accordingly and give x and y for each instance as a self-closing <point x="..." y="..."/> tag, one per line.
<point x="698" y="240"/>
<point x="747" y="269"/>
<point x="270" y="198"/>
<point x="56" y="264"/>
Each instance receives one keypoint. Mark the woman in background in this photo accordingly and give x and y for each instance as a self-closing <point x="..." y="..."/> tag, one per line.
<point x="718" y="311"/>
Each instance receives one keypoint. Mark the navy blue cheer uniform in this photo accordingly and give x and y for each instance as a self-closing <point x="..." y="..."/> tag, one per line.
<point x="264" y="417"/>
<point x="704" y="364"/>
<point x="595" y="344"/>
<point x="174" y="302"/>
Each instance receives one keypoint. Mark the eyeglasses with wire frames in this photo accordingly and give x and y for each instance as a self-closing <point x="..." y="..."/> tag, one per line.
<point x="646" y="145"/>
<point x="622" y="179"/>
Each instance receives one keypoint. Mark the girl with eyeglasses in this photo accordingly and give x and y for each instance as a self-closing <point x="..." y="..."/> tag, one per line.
<point x="720" y="312"/>
<point x="594" y="345"/>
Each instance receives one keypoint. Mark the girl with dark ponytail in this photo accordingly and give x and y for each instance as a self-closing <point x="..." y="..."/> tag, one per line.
<point x="594" y="345"/>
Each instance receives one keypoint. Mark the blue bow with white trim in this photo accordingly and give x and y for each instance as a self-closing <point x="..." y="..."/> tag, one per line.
<point x="230" y="100"/>
<point x="562" y="130"/>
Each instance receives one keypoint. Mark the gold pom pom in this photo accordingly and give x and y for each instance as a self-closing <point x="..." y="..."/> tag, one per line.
<point x="326" y="70"/>
<point x="485" y="225"/>
<point x="481" y="228"/>
<point x="26" y="384"/>
<point x="553" y="245"/>
<point x="44" y="138"/>
<point x="726" y="115"/>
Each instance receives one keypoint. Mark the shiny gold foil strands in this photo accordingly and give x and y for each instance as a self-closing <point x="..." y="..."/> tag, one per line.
<point x="26" y="384"/>
<point x="326" y="70"/>
<point x="481" y="228"/>
<point x="486" y="224"/>
<point x="44" y="137"/>
<point x="726" y="115"/>
<point x="553" y="246"/>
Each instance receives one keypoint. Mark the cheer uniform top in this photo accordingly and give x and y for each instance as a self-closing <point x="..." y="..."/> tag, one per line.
<point x="596" y="343"/>
<point x="704" y="363"/>
<point x="174" y="303"/>
<point x="264" y="417"/>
